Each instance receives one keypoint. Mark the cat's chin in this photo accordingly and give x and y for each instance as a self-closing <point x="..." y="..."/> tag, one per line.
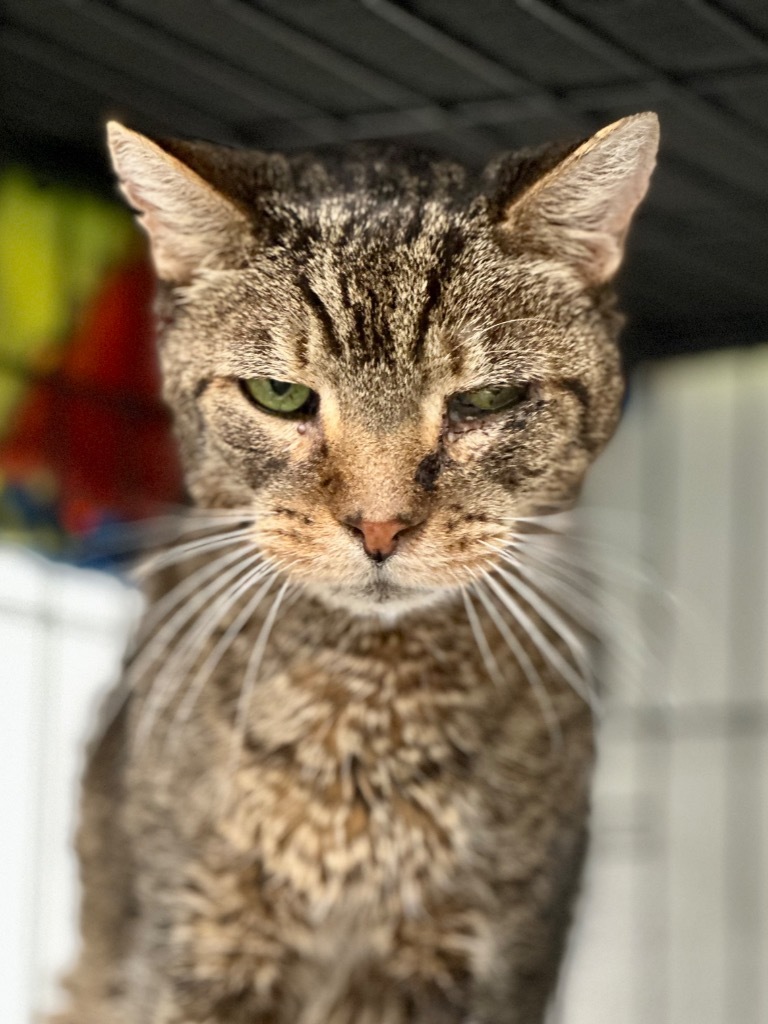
<point x="380" y="599"/>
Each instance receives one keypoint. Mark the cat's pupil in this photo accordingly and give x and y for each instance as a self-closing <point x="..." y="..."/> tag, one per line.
<point x="280" y="387"/>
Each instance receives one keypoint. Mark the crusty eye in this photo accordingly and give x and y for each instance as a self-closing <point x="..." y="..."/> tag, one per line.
<point x="483" y="402"/>
<point x="281" y="397"/>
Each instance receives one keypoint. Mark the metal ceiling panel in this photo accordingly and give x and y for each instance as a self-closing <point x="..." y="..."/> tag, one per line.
<point x="523" y="42"/>
<point x="682" y="37"/>
<point x="270" y="50"/>
<point x="393" y="50"/>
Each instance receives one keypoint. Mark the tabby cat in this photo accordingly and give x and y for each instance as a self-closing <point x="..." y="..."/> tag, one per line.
<point x="349" y="784"/>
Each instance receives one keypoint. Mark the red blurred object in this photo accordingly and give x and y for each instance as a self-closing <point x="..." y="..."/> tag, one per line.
<point x="96" y="423"/>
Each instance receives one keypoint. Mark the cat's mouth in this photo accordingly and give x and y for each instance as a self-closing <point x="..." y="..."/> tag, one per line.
<point x="383" y="589"/>
<point x="378" y="595"/>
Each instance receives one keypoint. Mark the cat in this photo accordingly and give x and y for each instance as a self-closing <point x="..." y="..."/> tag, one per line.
<point x="350" y="782"/>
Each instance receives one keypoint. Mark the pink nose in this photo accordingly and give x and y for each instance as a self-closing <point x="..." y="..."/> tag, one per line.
<point x="379" y="539"/>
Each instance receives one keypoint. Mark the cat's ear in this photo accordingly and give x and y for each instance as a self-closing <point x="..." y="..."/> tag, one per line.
<point x="582" y="208"/>
<point x="190" y="224"/>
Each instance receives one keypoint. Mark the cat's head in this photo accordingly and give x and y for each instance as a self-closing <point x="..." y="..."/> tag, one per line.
<point x="387" y="359"/>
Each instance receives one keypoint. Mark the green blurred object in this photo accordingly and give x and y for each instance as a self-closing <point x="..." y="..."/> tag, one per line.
<point x="55" y="245"/>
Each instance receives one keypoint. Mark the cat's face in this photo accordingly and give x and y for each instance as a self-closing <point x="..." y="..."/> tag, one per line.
<point x="450" y="347"/>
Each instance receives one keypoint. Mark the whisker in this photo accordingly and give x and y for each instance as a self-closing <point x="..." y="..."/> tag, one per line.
<point x="203" y="674"/>
<point x="132" y="538"/>
<point x="611" y="566"/>
<point x="491" y="665"/>
<point x="159" y="641"/>
<point x="550" y="615"/>
<point x="181" y="590"/>
<point x="251" y="676"/>
<point x="532" y="675"/>
<point x="516" y="320"/>
<point x="165" y="687"/>
<point x="583" y="606"/>
<point x="583" y="581"/>
<point x="547" y="649"/>
<point x="599" y="573"/>
<point x="598" y="618"/>
<point x="195" y="636"/>
<point x="555" y="527"/>
<point x="181" y="552"/>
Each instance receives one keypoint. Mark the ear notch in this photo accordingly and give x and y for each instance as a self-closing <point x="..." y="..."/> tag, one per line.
<point x="581" y="210"/>
<point x="190" y="224"/>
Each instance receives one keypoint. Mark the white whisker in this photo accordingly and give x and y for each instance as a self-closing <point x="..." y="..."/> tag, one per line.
<point x="583" y="581"/>
<point x="251" y="676"/>
<point x="575" y="591"/>
<point x="491" y="665"/>
<point x="157" y="612"/>
<point x="166" y="685"/>
<point x="249" y="571"/>
<point x="532" y="675"/>
<point x="599" y="618"/>
<point x="204" y="672"/>
<point x="132" y="538"/>
<point x="516" y="320"/>
<point x="550" y="615"/>
<point x="609" y="563"/>
<point x="547" y="649"/>
<point x="181" y="552"/>
<point x="159" y="641"/>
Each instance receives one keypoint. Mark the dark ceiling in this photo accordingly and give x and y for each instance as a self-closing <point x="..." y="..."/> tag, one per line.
<point x="469" y="78"/>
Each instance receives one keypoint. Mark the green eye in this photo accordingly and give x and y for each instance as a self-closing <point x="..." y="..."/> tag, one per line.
<point x="485" y="400"/>
<point x="281" y="396"/>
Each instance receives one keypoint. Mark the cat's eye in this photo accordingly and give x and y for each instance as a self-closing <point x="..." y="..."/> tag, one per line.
<point x="485" y="401"/>
<point x="281" y="396"/>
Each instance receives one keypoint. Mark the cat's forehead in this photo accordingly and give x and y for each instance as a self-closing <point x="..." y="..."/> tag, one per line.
<point x="380" y="316"/>
<point x="388" y="294"/>
<point x="353" y="283"/>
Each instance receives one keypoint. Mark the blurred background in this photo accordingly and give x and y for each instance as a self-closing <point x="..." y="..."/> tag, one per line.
<point x="674" y="920"/>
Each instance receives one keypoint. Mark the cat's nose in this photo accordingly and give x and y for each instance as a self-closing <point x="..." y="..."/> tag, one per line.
<point x="379" y="539"/>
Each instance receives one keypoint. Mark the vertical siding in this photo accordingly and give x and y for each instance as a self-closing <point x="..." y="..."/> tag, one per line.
<point x="674" y="923"/>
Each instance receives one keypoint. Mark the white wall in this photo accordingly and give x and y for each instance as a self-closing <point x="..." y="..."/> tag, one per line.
<point x="675" y="922"/>
<point x="62" y="632"/>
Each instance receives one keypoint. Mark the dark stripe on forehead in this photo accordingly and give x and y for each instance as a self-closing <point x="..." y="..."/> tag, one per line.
<point x="451" y="244"/>
<point x="382" y="338"/>
<point x="316" y="304"/>
<point x="414" y="226"/>
<point x="434" y="291"/>
<point x="372" y="339"/>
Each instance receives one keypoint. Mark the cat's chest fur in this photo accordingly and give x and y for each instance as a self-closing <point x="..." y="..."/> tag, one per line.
<point x="346" y="762"/>
<point x="379" y="794"/>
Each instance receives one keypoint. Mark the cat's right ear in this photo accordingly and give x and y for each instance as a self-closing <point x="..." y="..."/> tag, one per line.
<point x="580" y="210"/>
<point x="190" y="224"/>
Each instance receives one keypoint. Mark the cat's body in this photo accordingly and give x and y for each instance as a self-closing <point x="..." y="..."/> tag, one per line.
<point x="356" y="791"/>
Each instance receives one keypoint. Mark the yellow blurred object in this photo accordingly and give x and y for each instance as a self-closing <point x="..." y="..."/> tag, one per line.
<point x="55" y="244"/>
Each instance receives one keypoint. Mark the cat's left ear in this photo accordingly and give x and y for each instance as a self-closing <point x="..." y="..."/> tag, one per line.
<point x="190" y="224"/>
<point x="581" y="209"/>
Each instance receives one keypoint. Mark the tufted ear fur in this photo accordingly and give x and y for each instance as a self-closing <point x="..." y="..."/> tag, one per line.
<point x="190" y="224"/>
<point x="581" y="209"/>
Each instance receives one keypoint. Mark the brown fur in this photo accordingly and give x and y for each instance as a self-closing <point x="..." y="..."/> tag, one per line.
<point x="360" y="816"/>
